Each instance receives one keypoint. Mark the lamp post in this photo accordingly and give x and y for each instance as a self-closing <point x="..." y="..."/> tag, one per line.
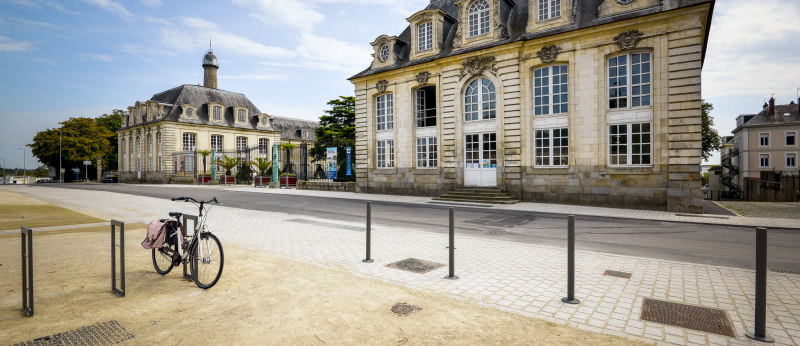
<point x="60" y="174"/>
<point x="24" y="168"/>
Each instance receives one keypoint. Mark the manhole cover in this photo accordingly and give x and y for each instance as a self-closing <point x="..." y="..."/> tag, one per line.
<point x="415" y="266"/>
<point x="784" y="269"/>
<point x="687" y="316"/>
<point x="405" y="309"/>
<point x="329" y="225"/>
<point x="104" y="333"/>
<point x="617" y="274"/>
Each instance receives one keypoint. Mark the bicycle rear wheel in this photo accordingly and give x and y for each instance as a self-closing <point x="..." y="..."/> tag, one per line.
<point x="162" y="260"/>
<point x="207" y="266"/>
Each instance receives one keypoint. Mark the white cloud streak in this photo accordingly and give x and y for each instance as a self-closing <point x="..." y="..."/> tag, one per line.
<point x="9" y="45"/>
<point x="113" y="7"/>
<point x="295" y="13"/>
<point x="152" y="3"/>
<point x="97" y="57"/>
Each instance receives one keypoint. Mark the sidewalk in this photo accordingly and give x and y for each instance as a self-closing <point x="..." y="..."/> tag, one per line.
<point x="540" y="207"/>
<point x="529" y="280"/>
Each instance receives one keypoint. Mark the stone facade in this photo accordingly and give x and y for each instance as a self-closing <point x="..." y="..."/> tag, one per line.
<point x="653" y="164"/>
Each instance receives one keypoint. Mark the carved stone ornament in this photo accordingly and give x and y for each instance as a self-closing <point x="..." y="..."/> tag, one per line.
<point x="500" y="31"/>
<point x="628" y="40"/>
<point x="548" y="54"/>
<point x="424" y="17"/>
<point x="457" y="39"/>
<point x="381" y="85"/>
<point x="422" y="77"/>
<point x="476" y="65"/>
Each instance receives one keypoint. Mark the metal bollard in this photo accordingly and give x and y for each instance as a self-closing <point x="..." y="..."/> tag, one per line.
<point x="761" y="288"/>
<point x="369" y="232"/>
<point x="452" y="247"/>
<point x="27" y="271"/>
<point x="121" y="290"/>
<point x="570" y="298"/>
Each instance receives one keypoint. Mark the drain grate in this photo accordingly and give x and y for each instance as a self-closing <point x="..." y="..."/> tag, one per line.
<point x="415" y="265"/>
<point x="617" y="274"/>
<point x="104" y="333"/>
<point x="497" y="232"/>
<point x="687" y="316"/>
<point x="329" y="225"/>
<point x="405" y="309"/>
<point x="784" y="269"/>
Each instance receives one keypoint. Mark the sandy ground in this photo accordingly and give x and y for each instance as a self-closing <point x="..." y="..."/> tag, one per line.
<point x="260" y="299"/>
<point x="17" y="211"/>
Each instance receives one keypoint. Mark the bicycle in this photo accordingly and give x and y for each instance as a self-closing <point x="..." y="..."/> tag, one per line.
<point x="180" y="248"/>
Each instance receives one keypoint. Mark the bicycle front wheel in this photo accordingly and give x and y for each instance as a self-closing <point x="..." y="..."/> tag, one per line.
<point x="207" y="262"/>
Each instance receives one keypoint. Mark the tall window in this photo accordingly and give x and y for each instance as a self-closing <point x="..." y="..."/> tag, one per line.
<point x="138" y="154"/>
<point x="791" y="139"/>
<point x="552" y="147"/>
<point x="763" y="139"/>
<point x="216" y="143"/>
<point x="384" y="106"/>
<point x="549" y="9"/>
<point x="479" y="100"/>
<point x="130" y="155"/>
<point x="763" y="160"/>
<point x="241" y="144"/>
<point x="426" y="152"/>
<point x="149" y="152"/>
<point x="478" y="18"/>
<point x="425" y="106"/>
<point x="791" y="160"/>
<point x="629" y="81"/>
<point x="425" y="36"/>
<point x="629" y="144"/>
<point x="217" y="113"/>
<point x="159" y="152"/>
<point x="189" y="142"/>
<point x="385" y="154"/>
<point x="263" y="147"/>
<point x="240" y="114"/>
<point x="550" y="90"/>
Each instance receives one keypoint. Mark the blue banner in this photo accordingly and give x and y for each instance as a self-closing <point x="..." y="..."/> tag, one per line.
<point x="349" y="165"/>
<point x="331" y="155"/>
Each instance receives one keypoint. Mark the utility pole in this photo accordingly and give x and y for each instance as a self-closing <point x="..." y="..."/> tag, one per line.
<point x="60" y="174"/>
<point x="24" y="167"/>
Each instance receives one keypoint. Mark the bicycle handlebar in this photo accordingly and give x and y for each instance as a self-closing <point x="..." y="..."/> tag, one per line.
<point x="190" y="199"/>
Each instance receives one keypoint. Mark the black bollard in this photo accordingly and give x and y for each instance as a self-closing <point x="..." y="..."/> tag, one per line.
<point x="27" y="271"/>
<point x="452" y="247"/>
<point x="369" y="232"/>
<point x="761" y="288"/>
<point x="570" y="298"/>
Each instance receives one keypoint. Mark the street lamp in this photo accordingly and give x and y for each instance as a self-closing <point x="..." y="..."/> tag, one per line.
<point x="24" y="169"/>
<point x="60" y="174"/>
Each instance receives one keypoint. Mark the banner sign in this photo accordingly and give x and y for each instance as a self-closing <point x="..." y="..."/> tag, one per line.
<point x="349" y="165"/>
<point x="331" y="154"/>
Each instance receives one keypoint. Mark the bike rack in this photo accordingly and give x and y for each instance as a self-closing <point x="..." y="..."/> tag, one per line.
<point x="27" y="271"/>
<point x="186" y="274"/>
<point x="121" y="290"/>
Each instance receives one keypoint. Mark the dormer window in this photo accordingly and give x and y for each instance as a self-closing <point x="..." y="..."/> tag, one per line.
<point x="425" y="36"/>
<point x="384" y="54"/>
<point x="217" y="113"/>
<point x="549" y="9"/>
<point x="189" y="112"/>
<point x="479" y="18"/>
<point x="241" y="115"/>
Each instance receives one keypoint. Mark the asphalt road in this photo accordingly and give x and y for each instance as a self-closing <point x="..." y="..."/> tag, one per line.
<point x="694" y="243"/>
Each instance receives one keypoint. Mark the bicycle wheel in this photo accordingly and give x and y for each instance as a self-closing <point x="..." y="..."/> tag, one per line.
<point x="207" y="267"/>
<point x="162" y="259"/>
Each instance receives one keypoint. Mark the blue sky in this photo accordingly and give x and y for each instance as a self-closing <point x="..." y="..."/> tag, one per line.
<point x="84" y="58"/>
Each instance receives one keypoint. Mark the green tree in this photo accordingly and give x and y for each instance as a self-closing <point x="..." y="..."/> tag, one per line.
<point x="81" y="139"/>
<point x="228" y="163"/>
<point x="337" y="128"/>
<point x="204" y="154"/>
<point x="711" y="139"/>
<point x="262" y="165"/>
<point x="112" y="122"/>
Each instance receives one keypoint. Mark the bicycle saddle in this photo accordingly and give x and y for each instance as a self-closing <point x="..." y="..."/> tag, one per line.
<point x="175" y="214"/>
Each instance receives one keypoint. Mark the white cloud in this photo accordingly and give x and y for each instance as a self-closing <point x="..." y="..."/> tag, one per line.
<point x="195" y="33"/>
<point x="405" y="7"/>
<point x="295" y="13"/>
<point x="199" y="23"/>
<point x="113" y="7"/>
<point x="327" y="53"/>
<point x="98" y="57"/>
<point x="9" y="45"/>
<point x="151" y="3"/>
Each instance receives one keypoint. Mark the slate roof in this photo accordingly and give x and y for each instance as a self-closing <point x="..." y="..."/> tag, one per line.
<point x="289" y="126"/>
<point x="764" y="118"/>
<point x="515" y="16"/>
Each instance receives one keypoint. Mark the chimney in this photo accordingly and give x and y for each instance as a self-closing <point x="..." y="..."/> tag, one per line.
<point x="771" y="106"/>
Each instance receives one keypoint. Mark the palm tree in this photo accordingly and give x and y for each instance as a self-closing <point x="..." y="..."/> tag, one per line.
<point x="288" y="147"/>
<point x="205" y="154"/>
<point x="228" y="163"/>
<point x="262" y="165"/>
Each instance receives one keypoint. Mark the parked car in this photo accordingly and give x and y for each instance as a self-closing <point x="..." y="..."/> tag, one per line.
<point x="110" y="178"/>
<point x="47" y="181"/>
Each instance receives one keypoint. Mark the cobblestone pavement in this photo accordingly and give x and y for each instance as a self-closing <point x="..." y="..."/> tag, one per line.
<point x="779" y="210"/>
<point x="521" y="278"/>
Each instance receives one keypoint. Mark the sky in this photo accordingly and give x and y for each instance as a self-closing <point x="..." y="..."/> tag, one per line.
<point x="71" y="58"/>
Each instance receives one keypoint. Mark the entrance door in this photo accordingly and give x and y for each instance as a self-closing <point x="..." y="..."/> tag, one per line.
<point x="480" y="159"/>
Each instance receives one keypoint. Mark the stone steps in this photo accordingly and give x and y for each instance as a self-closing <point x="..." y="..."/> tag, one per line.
<point x="485" y="195"/>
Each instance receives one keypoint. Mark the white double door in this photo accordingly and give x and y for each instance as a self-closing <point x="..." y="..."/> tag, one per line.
<point x="480" y="159"/>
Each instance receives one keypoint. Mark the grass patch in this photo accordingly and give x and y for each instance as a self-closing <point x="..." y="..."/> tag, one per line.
<point x="17" y="211"/>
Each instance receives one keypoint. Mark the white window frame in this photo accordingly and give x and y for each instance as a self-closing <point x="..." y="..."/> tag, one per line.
<point x="763" y="139"/>
<point x="546" y="90"/>
<point x="241" y="115"/>
<point x="629" y="145"/>
<point x="384" y="150"/>
<point x="217" y="146"/>
<point x="792" y="134"/>
<point x="549" y="9"/>
<point x="427" y="152"/>
<point x="216" y="113"/>
<point x="641" y="82"/>
<point x="474" y="104"/>
<point x="422" y="108"/>
<point x="761" y="162"/>
<point x="425" y="36"/>
<point x="241" y="143"/>
<point x="384" y="112"/>
<point x="793" y="157"/>
<point x="189" y="141"/>
<point x="263" y="147"/>
<point x="383" y="53"/>
<point x="478" y="18"/>
<point x="546" y="157"/>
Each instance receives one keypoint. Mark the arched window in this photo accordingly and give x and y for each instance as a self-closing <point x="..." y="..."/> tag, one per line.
<point x="130" y="154"/>
<point x="479" y="100"/>
<point x="149" y="152"/>
<point x="138" y="154"/>
<point x="159" y="150"/>
<point x="478" y="18"/>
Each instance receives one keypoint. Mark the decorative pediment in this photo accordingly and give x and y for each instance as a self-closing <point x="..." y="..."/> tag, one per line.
<point x="381" y="85"/>
<point x="628" y="40"/>
<point x="475" y="66"/>
<point x="548" y="54"/>
<point x="423" y="77"/>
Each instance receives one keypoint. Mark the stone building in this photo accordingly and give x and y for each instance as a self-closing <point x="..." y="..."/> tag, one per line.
<point x="585" y="102"/>
<point x="160" y="137"/>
